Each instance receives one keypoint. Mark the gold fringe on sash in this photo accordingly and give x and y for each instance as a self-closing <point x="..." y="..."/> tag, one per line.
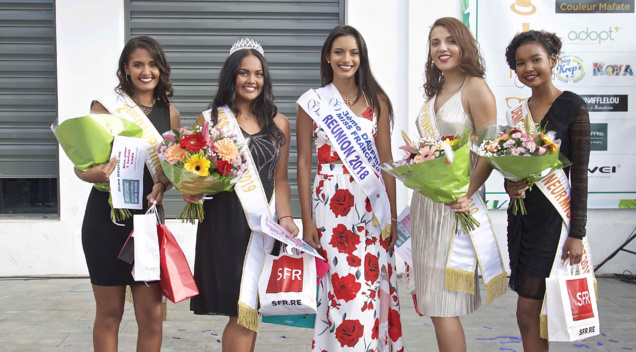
<point x="543" y="326"/>
<point x="496" y="287"/>
<point x="375" y="222"/>
<point x="247" y="317"/>
<point x="596" y="288"/>
<point x="459" y="281"/>
<point x="386" y="231"/>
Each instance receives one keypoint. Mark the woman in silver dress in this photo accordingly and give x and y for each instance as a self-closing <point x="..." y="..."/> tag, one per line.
<point x="460" y="100"/>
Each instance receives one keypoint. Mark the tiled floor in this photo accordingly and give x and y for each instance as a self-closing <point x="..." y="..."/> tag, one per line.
<point x="57" y="315"/>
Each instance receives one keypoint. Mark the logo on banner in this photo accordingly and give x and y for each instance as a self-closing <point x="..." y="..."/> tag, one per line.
<point x="592" y="36"/>
<point x="580" y="299"/>
<point x="570" y="69"/>
<point x="512" y="102"/>
<point x="598" y="136"/>
<point x="594" y="6"/>
<point x="287" y="275"/>
<point x="602" y="69"/>
<point x="313" y="105"/>
<point x="523" y="7"/>
<point x="605" y="102"/>
<point x="335" y="104"/>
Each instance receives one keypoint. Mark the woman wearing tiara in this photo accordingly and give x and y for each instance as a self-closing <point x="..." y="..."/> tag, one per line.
<point x="145" y="88"/>
<point x="349" y="213"/>
<point x="458" y="99"/>
<point x="223" y="270"/>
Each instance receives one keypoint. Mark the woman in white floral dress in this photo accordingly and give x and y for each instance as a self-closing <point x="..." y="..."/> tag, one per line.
<point x="358" y="306"/>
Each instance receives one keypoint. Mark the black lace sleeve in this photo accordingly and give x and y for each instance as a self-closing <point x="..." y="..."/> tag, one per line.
<point x="580" y="156"/>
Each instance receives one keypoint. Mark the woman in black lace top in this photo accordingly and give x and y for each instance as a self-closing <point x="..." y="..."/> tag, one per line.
<point x="533" y="238"/>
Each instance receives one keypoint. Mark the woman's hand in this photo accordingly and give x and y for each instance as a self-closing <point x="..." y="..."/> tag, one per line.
<point x="461" y="205"/>
<point x="99" y="173"/>
<point x="573" y="249"/>
<point x="310" y="234"/>
<point x="156" y="194"/>
<point x="516" y="190"/>
<point x="192" y="198"/>
<point x="288" y="224"/>
<point x="393" y="237"/>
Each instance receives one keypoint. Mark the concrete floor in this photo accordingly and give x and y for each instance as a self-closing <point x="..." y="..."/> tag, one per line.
<point x="57" y="315"/>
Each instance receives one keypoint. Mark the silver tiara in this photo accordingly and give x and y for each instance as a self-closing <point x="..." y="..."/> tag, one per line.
<point x="247" y="43"/>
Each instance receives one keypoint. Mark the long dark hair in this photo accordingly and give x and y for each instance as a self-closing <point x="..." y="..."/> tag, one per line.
<point x="471" y="62"/>
<point x="550" y="41"/>
<point x="262" y="107"/>
<point x="163" y="91"/>
<point x="364" y="77"/>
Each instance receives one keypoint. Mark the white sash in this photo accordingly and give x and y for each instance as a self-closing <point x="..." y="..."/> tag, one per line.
<point x="355" y="147"/>
<point x="120" y="104"/>
<point x="477" y="247"/>
<point x="555" y="187"/>
<point x="251" y="194"/>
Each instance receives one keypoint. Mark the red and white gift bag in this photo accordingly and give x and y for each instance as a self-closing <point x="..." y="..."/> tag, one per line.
<point x="571" y="307"/>
<point x="287" y="285"/>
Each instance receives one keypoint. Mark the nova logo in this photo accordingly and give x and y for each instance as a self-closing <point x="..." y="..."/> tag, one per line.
<point x="601" y="69"/>
<point x="603" y="169"/>
<point x="570" y="69"/>
<point x="593" y="36"/>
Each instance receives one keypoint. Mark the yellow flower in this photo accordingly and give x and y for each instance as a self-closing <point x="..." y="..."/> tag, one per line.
<point x="175" y="154"/>
<point x="226" y="149"/>
<point x="198" y="165"/>
<point x="453" y="142"/>
<point x="545" y="139"/>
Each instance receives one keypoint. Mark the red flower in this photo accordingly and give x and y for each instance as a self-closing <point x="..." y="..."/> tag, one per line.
<point x="367" y="205"/>
<point x="514" y="131"/>
<point x="193" y="142"/>
<point x="371" y="268"/>
<point x="450" y="138"/>
<point x="344" y="240"/>
<point x="223" y="167"/>
<point x="325" y="156"/>
<point x="354" y="261"/>
<point x="341" y="202"/>
<point x="345" y="287"/>
<point x="321" y="184"/>
<point x="376" y="329"/>
<point x="395" y="326"/>
<point x="349" y="332"/>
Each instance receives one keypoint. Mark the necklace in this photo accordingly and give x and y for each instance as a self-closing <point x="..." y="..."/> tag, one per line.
<point x="349" y="102"/>
<point x="146" y="109"/>
<point x="246" y="117"/>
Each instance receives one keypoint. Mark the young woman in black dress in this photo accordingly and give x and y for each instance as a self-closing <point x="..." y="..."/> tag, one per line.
<point x="144" y="75"/>
<point x="224" y="234"/>
<point x="533" y="239"/>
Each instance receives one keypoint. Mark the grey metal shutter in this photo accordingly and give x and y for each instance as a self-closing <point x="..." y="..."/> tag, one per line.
<point x="28" y="100"/>
<point x="197" y="36"/>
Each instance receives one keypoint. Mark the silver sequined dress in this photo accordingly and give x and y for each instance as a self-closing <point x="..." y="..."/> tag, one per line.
<point x="432" y="226"/>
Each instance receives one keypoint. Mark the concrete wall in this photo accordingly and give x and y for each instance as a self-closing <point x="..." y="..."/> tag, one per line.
<point x="90" y="36"/>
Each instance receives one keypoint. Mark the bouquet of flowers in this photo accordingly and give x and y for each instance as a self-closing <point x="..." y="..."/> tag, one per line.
<point x="437" y="168"/>
<point x="201" y="160"/>
<point x="88" y="141"/>
<point x="523" y="152"/>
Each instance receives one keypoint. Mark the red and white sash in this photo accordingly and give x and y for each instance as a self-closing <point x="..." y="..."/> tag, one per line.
<point x="467" y="250"/>
<point x="354" y="145"/>
<point x="251" y="194"/>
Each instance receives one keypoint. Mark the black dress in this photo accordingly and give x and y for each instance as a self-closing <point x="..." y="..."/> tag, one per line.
<point x="223" y="236"/>
<point x="101" y="238"/>
<point x="533" y="238"/>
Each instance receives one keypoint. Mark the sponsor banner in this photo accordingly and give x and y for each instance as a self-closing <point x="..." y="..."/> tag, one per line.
<point x="596" y="63"/>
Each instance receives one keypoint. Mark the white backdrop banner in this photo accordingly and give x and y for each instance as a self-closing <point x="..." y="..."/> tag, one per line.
<point x="597" y="62"/>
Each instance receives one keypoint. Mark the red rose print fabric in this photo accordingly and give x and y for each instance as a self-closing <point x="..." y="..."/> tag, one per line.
<point x="358" y="306"/>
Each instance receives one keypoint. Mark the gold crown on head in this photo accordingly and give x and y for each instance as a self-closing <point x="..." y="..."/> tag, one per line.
<point x="247" y="43"/>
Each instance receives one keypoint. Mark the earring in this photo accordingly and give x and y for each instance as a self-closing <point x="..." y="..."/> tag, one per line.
<point x="432" y="64"/>
<point x="329" y="62"/>
<point x="553" y="75"/>
<point x="515" y="82"/>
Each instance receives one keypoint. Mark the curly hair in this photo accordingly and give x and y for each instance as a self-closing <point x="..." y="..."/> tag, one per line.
<point x="471" y="62"/>
<point x="550" y="41"/>
<point x="163" y="91"/>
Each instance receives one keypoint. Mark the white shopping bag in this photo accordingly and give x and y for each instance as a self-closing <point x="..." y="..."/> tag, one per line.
<point x="571" y="306"/>
<point x="287" y="285"/>
<point x="147" y="262"/>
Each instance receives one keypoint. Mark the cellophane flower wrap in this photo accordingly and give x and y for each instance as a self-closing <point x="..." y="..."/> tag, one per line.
<point x="88" y="142"/>
<point x="438" y="169"/>
<point x="201" y="160"/>
<point x="523" y="152"/>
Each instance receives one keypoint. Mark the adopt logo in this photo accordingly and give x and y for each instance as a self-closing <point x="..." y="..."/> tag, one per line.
<point x="570" y="69"/>
<point x="594" y="6"/>
<point x="602" y="69"/>
<point x="593" y="36"/>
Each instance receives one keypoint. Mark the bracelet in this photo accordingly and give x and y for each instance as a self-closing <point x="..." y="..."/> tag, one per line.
<point x="286" y="216"/>
<point x="394" y="220"/>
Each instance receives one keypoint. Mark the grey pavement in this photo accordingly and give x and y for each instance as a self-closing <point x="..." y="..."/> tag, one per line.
<point x="57" y="315"/>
